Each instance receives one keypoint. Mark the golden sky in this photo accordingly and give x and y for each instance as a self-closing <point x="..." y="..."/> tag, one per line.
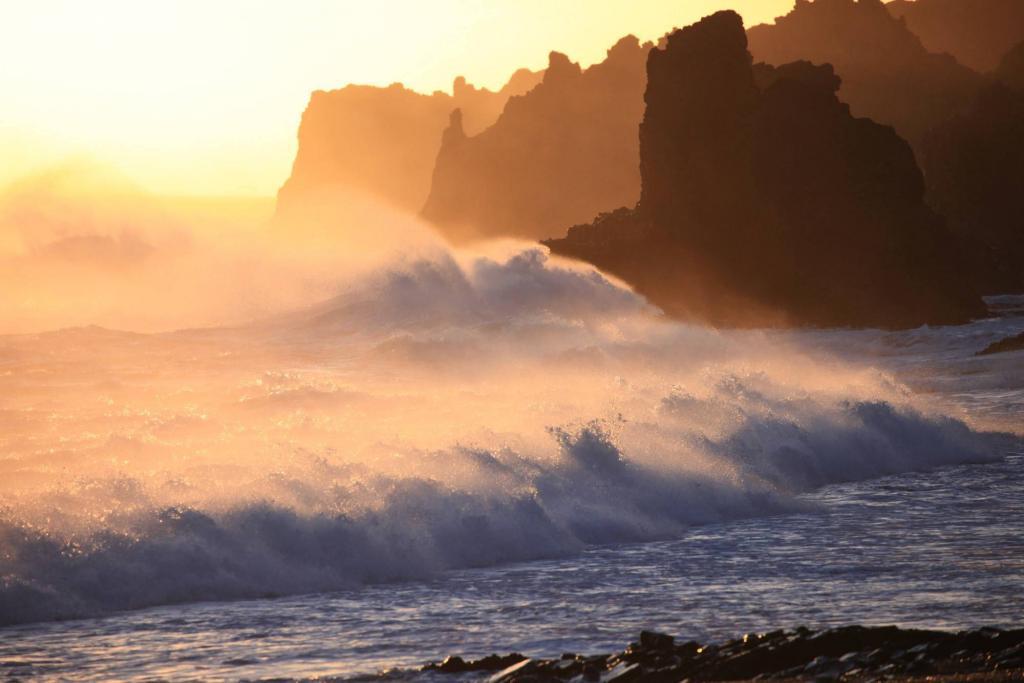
<point x="203" y="97"/>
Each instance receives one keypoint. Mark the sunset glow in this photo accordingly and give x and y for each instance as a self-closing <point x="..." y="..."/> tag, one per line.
<point x="518" y="341"/>
<point x="196" y="97"/>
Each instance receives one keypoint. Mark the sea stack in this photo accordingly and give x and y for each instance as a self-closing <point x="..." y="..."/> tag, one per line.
<point x="764" y="201"/>
<point x="975" y="169"/>
<point x="557" y="155"/>
<point x="977" y="32"/>
<point x="381" y="142"/>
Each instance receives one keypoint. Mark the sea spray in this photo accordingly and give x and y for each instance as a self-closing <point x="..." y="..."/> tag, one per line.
<point x="458" y="410"/>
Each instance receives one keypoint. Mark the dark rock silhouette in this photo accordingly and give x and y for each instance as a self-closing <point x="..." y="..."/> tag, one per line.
<point x="965" y="131"/>
<point x="1006" y="345"/>
<point x="764" y="201"/>
<point x="975" y="169"/>
<point x="557" y="155"/>
<point x="977" y="32"/>
<point x="848" y="653"/>
<point x="887" y="73"/>
<point x="1011" y="69"/>
<point x="382" y="141"/>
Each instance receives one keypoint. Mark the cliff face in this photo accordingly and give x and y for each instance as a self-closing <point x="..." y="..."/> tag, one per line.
<point x="977" y="32"/>
<point x="765" y="201"/>
<point x="381" y="141"/>
<point x="975" y="166"/>
<point x="557" y="155"/>
<point x="1010" y="71"/>
<point x="887" y="73"/>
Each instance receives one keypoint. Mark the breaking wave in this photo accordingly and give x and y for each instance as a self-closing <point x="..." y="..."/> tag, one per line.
<point x="450" y="412"/>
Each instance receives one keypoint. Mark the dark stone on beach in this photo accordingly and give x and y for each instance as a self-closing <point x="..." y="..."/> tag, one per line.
<point x="656" y="641"/>
<point x="888" y="75"/>
<point x="492" y="662"/>
<point x="380" y="141"/>
<point x="852" y="652"/>
<point x="452" y="665"/>
<point x="1015" y="343"/>
<point x="567" y="667"/>
<point x="623" y="672"/>
<point x="516" y="672"/>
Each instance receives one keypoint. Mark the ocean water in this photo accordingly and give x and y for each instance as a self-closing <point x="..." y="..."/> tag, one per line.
<point x="938" y="550"/>
<point x="459" y="455"/>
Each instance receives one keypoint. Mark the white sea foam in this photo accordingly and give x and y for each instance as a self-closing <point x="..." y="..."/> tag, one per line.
<point x="453" y="411"/>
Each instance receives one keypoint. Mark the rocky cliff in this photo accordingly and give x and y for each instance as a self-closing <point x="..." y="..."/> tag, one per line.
<point x="888" y="75"/>
<point x="1010" y="71"/>
<point x="977" y="32"/>
<point x="557" y="155"/>
<point x="381" y="141"/>
<point x="765" y="201"/>
<point x="975" y="167"/>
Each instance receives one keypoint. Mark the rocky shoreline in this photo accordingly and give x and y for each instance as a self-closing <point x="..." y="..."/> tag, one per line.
<point x="851" y="653"/>
<point x="1014" y="343"/>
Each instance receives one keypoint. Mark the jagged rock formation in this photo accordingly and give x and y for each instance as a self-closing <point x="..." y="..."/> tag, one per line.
<point x="764" y="201"/>
<point x="887" y="73"/>
<point x="963" y="129"/>
<point x="975" y="167"/>
<point x="381" y="141"/>
<point x="557" y="155"/>
<point x="1011" y="69"/>
<point x="1006" y="345"/>
<point x="977" y="32"/>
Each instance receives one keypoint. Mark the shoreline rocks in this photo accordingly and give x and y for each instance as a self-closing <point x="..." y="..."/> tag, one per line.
<point x="1005" y="345"/>
<point x="850" y="653"/>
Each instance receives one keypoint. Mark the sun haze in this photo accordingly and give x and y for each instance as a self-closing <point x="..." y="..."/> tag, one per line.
<point x="201" y="98"/>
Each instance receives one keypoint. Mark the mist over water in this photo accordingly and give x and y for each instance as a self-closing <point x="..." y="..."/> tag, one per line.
<point x="81" y="245"/>
<point x="391" y="414"/>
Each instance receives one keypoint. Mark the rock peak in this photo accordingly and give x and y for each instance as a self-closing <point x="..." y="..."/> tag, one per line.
<point x="725" y="26"/>
<point x="560" y="67"/>
<point x="888" y="74"/>
<point x="625" y="45"/>
<point x="559" y="154"/>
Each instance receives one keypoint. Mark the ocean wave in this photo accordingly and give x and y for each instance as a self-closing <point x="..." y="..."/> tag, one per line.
<point x="371" y="528"/>
<point x="446" y="412"/>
